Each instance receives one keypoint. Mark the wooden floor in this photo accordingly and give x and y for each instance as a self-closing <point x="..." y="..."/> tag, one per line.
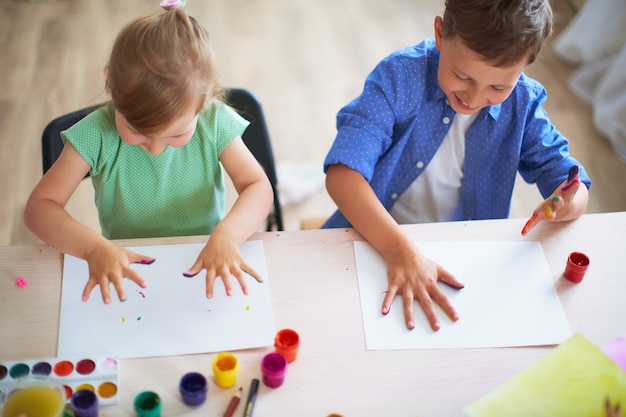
<point x="304" y="59"/>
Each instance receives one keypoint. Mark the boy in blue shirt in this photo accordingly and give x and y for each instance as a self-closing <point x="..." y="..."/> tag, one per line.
<point x="439" y="133"/>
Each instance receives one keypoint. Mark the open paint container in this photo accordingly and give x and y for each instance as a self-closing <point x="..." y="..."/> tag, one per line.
<point x="98" y="375"/>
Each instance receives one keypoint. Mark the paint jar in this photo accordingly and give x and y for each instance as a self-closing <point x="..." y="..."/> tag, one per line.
<point x="576" y="266"/>
<point x="286" y="343"/>
<point x="225" y="369"/>
<point x="148" y="404"/>
<point x="273" y="367"/>
<point x="35" y="401"/>
<point x="193" y="388"/>
<point x="84" y="403"/>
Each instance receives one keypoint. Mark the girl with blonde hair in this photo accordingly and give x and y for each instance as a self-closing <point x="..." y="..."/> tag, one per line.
<point x="155" y="154"/>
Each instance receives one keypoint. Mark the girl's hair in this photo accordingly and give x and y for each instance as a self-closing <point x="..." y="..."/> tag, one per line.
<point x="161" y="66"/>
<point x="503" y="32"/>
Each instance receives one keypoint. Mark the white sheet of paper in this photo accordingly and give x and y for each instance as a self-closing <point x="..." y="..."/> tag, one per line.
<point x="172" y="316"/>
<point x="509" y="298"/>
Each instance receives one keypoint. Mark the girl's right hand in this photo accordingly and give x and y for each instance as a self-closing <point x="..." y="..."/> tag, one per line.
<point x="110" y="264"/>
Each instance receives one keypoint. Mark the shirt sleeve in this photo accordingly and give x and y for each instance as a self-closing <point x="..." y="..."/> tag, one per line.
<point x="365" y="126"/>
<point x="545" y="156"/>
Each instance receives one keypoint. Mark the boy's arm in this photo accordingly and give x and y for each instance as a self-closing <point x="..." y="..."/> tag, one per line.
<point x="409" y="273"/>
<point x="46" y="217"/>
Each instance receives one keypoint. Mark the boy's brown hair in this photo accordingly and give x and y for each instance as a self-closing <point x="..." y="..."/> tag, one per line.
<point x="503" y="32"/>
<point x="159" y="67"/>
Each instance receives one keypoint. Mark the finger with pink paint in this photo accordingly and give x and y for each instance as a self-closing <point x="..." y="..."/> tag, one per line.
<point x="572" y="178"/>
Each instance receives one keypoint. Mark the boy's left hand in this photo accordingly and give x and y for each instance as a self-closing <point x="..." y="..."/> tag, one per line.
<point x="556" y="207"/>
<point x="221" y="258"/>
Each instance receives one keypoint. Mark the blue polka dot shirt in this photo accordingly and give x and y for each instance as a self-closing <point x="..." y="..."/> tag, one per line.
<point x="393" y="129"/>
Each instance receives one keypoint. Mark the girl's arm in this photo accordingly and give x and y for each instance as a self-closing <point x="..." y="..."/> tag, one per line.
<point x="409" y="273"/>
<point x="221" y="256"/>
<point x="45" y="213"/>
<point x="46" y="217"/>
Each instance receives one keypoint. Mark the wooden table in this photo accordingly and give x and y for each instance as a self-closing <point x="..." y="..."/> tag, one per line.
<point x="314" y="291"/>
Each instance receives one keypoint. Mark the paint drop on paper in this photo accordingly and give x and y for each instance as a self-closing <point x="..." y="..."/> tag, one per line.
<point x="123" y="319"/>
<point x="142" y="294"/>
<point x="139" y="318"/>
<point x="247" y="308"/>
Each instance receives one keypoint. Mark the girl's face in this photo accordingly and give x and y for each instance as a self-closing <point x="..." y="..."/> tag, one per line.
<point x="177" y="134"/>
<point x="468" y="82"/>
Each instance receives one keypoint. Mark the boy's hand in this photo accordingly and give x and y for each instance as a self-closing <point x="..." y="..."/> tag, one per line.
<point x="415" y="277"/>
<point x="221" y="258"/>
<point x="110" y="264"/>
<point x="612" y="410"/>
<point x="556" y="207"/>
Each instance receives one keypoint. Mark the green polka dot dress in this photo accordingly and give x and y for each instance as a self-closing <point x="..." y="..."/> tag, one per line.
<point x="177" y="193"/>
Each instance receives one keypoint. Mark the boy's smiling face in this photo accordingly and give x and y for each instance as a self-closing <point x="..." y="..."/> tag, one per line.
<point x="468" y="82"/>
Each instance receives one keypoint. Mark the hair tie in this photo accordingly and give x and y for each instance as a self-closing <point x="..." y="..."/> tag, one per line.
<point x="172" y="4"/>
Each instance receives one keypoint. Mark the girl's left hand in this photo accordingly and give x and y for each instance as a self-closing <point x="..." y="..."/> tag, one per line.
<point x="221" y="258"/>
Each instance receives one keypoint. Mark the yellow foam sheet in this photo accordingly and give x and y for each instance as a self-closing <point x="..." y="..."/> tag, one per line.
<point x="574" y="379"/>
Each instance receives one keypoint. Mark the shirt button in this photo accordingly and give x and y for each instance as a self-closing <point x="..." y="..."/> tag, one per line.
<point x="394" y="196"/>
<point x="446" y="120"/>
<point x="419" y="164"/>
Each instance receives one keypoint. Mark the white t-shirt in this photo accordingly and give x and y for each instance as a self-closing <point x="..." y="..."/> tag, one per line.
<point x="435" y="195"/>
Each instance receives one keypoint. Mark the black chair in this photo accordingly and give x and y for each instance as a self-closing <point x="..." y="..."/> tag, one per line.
<point x="256" y="138"/>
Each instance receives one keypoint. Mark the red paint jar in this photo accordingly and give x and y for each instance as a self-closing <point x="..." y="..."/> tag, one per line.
<point x="576" y="266"/>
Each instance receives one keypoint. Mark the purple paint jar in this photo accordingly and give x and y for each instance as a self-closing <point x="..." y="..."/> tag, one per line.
<point x="273" y="367"/>
<point x="193" y="388"/>
<point x="84" y="403"/>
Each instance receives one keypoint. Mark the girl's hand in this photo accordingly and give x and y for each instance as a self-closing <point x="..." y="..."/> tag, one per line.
<point x="558" y="206"/>
<point x="414" y="276"/>
<point x="110" y="264"/>
<point x="221" y="258"/>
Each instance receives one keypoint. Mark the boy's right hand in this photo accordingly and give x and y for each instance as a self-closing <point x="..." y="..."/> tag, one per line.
<point x="414" y="276"/>
<point x="110" y="264"/>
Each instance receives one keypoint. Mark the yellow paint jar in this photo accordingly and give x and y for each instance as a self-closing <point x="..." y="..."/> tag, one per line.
<point x="225" y="369"/>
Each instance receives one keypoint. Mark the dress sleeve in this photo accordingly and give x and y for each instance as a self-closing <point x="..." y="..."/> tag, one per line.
<point x="91" y="133"/>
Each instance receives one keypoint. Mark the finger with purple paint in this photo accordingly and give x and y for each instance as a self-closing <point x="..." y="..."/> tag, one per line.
<point x="108" y="266"/>
<point x="221" y="258"/>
